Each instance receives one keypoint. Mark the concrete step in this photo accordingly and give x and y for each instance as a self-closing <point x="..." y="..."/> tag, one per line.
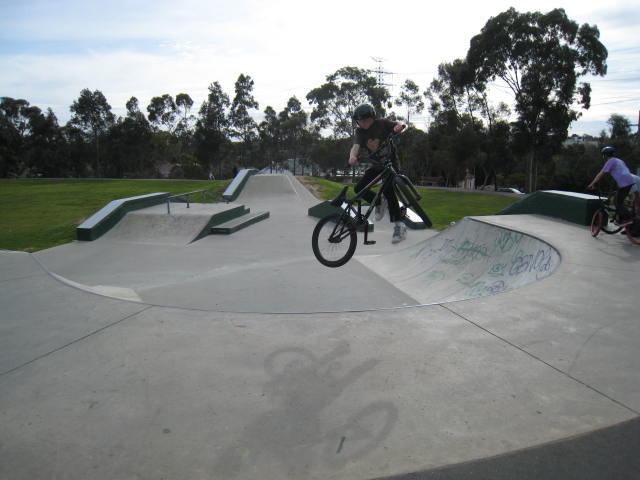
<point x="239" y="223"/>
<point x="223" y="216"/>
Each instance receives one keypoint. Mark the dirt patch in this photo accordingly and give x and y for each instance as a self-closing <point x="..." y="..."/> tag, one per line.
<point x="310" y="185"/>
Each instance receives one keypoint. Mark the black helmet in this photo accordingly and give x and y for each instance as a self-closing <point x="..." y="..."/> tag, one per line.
<point x="363" y="111"/>
<point x="608" y="151"/>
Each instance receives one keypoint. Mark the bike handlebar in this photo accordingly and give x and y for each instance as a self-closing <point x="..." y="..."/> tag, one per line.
<point x="387" y="142"/>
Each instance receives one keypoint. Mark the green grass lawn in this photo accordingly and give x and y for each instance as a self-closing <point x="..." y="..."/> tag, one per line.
<point x="38" y="214"/>
<point x="442" y="206"/>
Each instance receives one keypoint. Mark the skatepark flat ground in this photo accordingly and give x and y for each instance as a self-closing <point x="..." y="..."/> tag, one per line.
<point x="241" y="356"/>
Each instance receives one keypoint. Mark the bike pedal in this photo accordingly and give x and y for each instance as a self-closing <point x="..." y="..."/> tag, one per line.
<point x="370" y="242"/>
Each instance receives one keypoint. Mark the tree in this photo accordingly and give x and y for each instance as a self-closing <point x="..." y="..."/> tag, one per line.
<point x="30" y="140"/>
<point x="456" y="105"/>
<point x="129" y="145"/>
<point x="621" y="137"/>
<point x="134" y="113"/>
<point x="498" y="155"/>
<point x="269" y="132"/>
<point x="183" y="105"/>
<point x="411" y="99"/>
<point x="77" y="151"/>
<point x="443" y="138"/>
<point x="44" y="152"/>
<point x="14" y="125"/>
<point x="162" y="112"/>
<point x="330" y="154"/>
<point x="619" y="126"/>
<point x="453" y="91"/>
<point x="344" y="90"/>
<point x="576" y="166"/>
<point x="92" y="114"/>
<point x="243" y="125"/>
<point x="413" y="148"/>
<point x="540" y="57"/>
<point x="292" y="122"/>
<point x="211" y="127"/>
<point x="15" y="114"/>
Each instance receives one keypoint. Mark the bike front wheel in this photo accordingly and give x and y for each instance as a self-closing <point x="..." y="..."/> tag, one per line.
<point x="597" y="221"/>
<point x="602" y="222"/>
<point x="334" y="240"/>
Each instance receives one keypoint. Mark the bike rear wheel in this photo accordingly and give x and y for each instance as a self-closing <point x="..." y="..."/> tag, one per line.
<point x="334" y="240"/>
<point x="406" y="196"/>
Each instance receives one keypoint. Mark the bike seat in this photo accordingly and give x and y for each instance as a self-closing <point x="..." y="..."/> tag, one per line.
<point x="337" y="202"/>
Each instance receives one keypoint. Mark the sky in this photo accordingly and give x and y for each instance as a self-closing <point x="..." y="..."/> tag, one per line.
<point x="50" y="49"/>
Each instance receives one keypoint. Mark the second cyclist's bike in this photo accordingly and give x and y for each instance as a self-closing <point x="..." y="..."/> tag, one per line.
<point x="604" y="218"/>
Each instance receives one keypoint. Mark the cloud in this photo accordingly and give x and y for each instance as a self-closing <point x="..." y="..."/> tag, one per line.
<point x="51" y="50"/>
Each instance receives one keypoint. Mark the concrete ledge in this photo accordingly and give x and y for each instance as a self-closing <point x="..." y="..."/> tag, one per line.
<point x="324" y="209"/>
<point x="235" y="187"/>
<point x="571" y="206"/>
<point x="105" y="218"/>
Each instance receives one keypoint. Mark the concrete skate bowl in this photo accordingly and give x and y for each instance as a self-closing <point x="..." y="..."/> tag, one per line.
<point x="471" y="259"/>
<point x="251" y="272"/>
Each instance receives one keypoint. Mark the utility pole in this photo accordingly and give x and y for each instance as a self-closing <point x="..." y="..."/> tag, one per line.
<point x="637" y="139"/>
<point x="381" y="73"/>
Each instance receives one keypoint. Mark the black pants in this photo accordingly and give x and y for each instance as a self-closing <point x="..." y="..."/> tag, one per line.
<point x="392" y="200"/>
<point x="621" y="194"/>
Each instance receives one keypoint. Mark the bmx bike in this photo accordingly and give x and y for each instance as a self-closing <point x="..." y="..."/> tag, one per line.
<point x="604" y="218"/>
<point x="335" y="238"/>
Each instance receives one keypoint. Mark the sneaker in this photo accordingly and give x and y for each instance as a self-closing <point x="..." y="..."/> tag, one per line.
<point x="381" y="209"/>
<point x="399" y="233"/>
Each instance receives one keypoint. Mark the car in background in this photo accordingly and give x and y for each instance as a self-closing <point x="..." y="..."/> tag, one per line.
<point x="510" y="190"/>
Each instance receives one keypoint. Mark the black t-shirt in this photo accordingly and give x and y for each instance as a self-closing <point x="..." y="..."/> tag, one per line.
<point x="371" y="138"/>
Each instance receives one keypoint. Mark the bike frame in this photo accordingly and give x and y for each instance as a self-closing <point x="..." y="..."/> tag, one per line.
<point x="387" y="176"/>
<point x="607" y="203"/>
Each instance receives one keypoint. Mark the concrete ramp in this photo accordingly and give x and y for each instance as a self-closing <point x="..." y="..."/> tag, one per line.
<point x="471" y="259"/>
<point x="154" y="226"/>
<point x="571" y="206"/>
<point x="269" y="187"/>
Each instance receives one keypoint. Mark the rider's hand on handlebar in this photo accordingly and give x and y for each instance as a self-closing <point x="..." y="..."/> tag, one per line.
<point x="399" y="128"/>
<point x="353" y="161"/>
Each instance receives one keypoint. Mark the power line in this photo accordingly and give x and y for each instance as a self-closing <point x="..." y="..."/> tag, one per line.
<point x="616" y="101"/>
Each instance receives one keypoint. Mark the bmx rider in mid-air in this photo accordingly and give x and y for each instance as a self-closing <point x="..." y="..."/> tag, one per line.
<point x="369" y="135"/>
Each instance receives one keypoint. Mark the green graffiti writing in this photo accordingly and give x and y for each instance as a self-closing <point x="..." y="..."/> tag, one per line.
<point x="498" y="270"/>
<point x="468" y="251"/>
<point x="508" y="240"/>
<point x="437" y="275"/>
